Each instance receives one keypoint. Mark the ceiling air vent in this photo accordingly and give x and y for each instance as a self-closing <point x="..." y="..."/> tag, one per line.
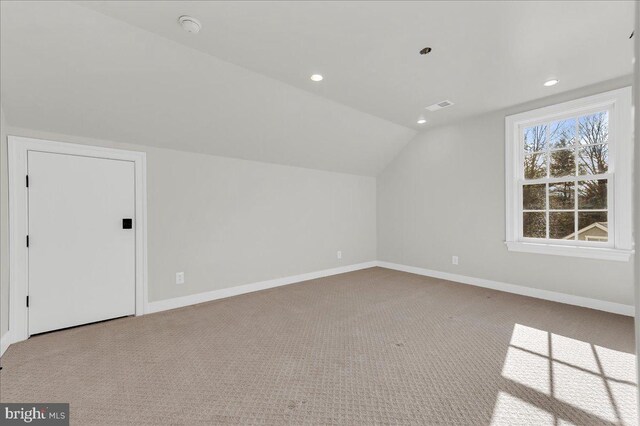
<point x="439" y="105"/>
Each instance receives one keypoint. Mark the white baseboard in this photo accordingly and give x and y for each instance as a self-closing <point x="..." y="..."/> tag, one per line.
<point x="5" y="341"/>
<point x="601" y="305"/>
<point x="179" y="302"/>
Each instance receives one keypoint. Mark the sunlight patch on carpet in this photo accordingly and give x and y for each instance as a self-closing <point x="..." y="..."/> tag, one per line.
<point x="567" y="375"/>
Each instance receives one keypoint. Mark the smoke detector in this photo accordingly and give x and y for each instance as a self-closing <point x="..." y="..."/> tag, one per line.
<point x="439" y="105"/>
<point x="190" y="24"/>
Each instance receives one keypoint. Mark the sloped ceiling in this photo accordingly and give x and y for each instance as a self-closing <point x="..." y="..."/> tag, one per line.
<point x="487" y="55"/>
<point x="70" y="70"/>
<point x="126" y="71"/>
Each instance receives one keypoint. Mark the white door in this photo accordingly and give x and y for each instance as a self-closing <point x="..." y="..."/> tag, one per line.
<point x="81" y="259"/>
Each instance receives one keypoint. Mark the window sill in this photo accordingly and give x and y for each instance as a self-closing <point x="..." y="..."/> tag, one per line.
<point x="573" y="251"/>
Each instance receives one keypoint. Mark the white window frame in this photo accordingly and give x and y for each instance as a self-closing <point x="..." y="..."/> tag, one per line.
<point x="620" y="245"/>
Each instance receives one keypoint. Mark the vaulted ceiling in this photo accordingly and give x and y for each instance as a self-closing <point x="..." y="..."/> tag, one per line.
<point x="126" y="71"/>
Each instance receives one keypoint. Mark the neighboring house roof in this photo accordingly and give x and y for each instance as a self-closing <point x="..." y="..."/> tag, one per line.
<point x="604" y="226"/>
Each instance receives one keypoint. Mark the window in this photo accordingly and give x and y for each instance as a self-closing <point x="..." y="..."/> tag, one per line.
<point x="568" y="177"/>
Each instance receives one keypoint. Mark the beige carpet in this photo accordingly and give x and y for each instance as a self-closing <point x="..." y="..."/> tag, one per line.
<point x="369" y="347"/>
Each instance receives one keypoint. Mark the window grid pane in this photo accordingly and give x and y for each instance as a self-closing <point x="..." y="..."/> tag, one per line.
<point x="547" y="212"/>
<point x="575" y="149"/>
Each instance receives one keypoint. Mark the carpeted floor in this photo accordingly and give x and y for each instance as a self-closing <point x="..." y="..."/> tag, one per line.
<point x="369" y="347"/>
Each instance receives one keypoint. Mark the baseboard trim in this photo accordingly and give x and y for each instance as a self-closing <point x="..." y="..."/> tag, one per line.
<point x="193" y="299"/>
<point x="179" y="302"/>
<point x="601" y="305"/>
<point x="5" y="341"/>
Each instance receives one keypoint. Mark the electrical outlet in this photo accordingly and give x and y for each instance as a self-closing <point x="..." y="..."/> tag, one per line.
<point x="339" y="254"/>
<point x="179" y="277"/>
<point x="454" y="260"/>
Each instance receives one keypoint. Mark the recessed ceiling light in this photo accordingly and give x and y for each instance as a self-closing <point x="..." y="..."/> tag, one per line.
<point x="551" y="82"/>
<point x="190" y="24"/>
<point x="316" y="77"/>
<point x="422" y="121"/>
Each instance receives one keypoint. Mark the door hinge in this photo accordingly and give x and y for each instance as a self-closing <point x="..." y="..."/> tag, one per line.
<point x="27" y="181"/>
<point x="27" y="241"/>
<point x="27" y="301"/>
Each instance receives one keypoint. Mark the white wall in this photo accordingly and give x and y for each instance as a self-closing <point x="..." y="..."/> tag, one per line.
<point x="227" y="222"/>
<point x="636" y="180"/>
<point x="444" y="195"/>
<point x="4" y="230"/>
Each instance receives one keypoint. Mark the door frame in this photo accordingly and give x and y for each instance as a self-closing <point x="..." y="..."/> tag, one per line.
<point x="18" y="147"/>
